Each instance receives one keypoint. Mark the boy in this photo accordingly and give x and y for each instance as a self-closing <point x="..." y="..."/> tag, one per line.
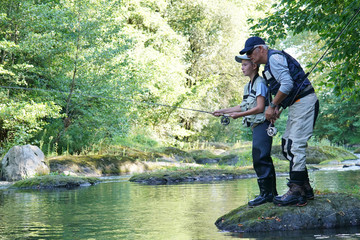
<point x="252" y="109"/>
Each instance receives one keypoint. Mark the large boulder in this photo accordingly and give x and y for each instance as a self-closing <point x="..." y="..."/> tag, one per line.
<point x="23" y="162"/>
<point x="327" y="211"/>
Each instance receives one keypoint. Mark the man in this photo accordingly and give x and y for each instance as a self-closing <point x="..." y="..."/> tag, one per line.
<point x="291" y="88"/>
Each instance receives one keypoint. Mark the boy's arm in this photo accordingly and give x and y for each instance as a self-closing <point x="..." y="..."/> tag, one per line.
<point x="221" y="112"/>
<point x="260" y="106"/>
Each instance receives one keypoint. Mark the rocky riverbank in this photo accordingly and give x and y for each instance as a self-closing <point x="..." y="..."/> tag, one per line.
<point x="318" y="157"/>
<point x="132" y="161"/>
<point x="171" y="165"/>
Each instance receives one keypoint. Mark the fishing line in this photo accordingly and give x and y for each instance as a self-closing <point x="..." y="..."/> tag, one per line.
<point x="325" y="53"/>
<point x="333" y="42"/>
<point x="224" y="119"/>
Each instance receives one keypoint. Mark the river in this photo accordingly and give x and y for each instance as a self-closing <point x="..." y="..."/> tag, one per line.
<point x="118" y="209"/>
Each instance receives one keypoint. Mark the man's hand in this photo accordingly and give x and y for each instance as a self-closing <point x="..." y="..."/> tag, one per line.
<point x="273" y="112"/>
<point x="270" y="114"/>
<point x="278" y="112"/>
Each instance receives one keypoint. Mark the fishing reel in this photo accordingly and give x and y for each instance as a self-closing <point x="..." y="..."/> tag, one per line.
<point x="225" y="120"/>
<point x="271" y="130"/>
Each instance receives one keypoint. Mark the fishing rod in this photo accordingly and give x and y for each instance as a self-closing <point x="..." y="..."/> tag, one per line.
<point x="326" y="51"/>
<point x="225" y="120"/>
<point x="272" y="131"/>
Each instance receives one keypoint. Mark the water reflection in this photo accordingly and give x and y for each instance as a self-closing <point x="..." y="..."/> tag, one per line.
<point x="118" y="209"/>
<point x="344" y="233"/>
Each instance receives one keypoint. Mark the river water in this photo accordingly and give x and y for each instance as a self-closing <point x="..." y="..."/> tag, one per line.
<point x="118" y="209"/>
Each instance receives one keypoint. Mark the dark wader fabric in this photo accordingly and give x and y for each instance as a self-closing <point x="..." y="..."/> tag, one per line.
<point x="261" y="150"/>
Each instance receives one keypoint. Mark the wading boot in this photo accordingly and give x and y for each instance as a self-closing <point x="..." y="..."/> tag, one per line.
<point x="266" y="192"/>
<point x="274" y="191"/>
<point x="309" y="192"/>
<point x="294" y="196"/>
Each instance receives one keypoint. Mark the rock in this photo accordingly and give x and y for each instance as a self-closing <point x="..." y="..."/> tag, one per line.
<point x="55" y="181"/>
<point x="218" y="145"/>
<point x="191" y="175"/>
<point x="23" y="162"/>
<point x="175" y="151"/>
<point x="231" y="159"/>
<point x="327" y="211"/>
<point x="207" y="160"/>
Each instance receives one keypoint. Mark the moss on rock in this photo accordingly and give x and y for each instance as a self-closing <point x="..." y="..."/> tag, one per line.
<point x="195" y="174"/>
<point x="330" y="210"/>
<point x="54" y="181"/>
<point x="172" y="151"/>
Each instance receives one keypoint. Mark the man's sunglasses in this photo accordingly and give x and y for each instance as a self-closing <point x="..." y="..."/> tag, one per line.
<point x="251" y="51"/>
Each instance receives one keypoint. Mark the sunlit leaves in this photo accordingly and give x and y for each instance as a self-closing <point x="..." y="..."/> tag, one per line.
<point x="22" y="120"/>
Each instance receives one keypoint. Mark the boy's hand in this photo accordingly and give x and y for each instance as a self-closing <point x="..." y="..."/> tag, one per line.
<point x="235" y="115"/>
<point x="217" y="113"/>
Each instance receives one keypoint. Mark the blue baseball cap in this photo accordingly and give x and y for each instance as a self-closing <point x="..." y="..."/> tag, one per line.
<point x="251" y="43"/>
<point x="238" y="58"/>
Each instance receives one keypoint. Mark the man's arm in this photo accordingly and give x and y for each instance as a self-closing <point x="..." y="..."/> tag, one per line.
<point x="280" y="71"/>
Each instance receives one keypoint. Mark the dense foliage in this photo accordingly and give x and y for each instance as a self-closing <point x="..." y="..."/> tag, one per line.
<point x="95" y="70"/>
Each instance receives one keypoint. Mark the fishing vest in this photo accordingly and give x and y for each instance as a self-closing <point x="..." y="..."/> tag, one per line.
<point x="249" y="102"/>
<point x="296" y="72"/>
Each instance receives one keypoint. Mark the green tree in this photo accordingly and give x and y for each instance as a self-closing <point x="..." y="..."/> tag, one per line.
<point x="72" y="47"/>
<point x="339" y="121"/>
<point x="20" y="118"/>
